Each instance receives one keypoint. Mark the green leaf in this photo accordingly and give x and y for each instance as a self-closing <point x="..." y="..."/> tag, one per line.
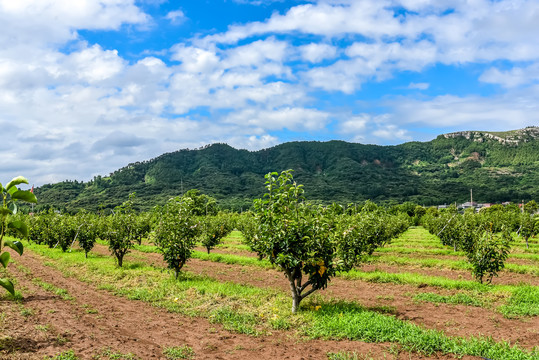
<point x="8" y="285"/>
<point x="4" y="258"/>
<point x="19" y="226"/>
<point x="24" y="195"/>
<point x="15" y="245"/>
<point x="12" y="190"/>
<point x="5" y="211"/>
<point x="16" y="181"/>
<point x="12" y="207"/>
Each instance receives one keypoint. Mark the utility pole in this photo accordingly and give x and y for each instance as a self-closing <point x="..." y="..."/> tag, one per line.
<point x="471" y="197"/>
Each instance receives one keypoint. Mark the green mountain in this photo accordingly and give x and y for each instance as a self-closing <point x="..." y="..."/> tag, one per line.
<point x="498" y="166"/>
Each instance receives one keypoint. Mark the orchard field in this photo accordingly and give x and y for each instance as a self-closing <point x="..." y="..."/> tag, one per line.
<point x="411" y="299"/>
<point x="287" y="280"/>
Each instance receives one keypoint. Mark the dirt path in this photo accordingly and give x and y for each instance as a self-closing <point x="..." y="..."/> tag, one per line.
<point x="94" y="320"/>
<point x="454" y="320"/>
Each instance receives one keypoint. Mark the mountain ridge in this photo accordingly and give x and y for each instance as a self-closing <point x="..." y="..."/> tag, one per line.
<point x="499" y="166"/>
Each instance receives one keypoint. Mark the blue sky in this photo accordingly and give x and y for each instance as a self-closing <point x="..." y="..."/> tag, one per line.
<point x="88" y="86"/>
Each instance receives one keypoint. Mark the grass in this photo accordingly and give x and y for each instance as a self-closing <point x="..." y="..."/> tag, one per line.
<point x="27" y="312"/>
<point x="417" y="240"/>
<point x="254" y="311"/>
<point x="179" y="352"/>
<point x="456" y="299"/>
<point x="461" y="264"/>
<point x="344" y="320"/>
<point x="523" y="302"/>
<point x="378" y="276"/>
<point x="109" y="354"/>
<point x="53" y="289"/>
<point x="65" y="355"/>
<point x="232" y="259"/>
<point x="415" y="237"/>
<point x="343" y="355"/>
<point x="417" y="234"/>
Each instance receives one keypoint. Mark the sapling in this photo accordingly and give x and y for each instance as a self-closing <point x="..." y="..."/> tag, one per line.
<point x="310" y="243"/>
<point x="176" y="232"/>
<point x="215" y="228"/>
<point x="10" y="195"/>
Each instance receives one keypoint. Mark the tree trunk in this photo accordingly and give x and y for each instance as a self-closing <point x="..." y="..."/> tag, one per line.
<point x="296" y="299"/>
<point x="120" y="259"/>
<point x="177" y="269"/>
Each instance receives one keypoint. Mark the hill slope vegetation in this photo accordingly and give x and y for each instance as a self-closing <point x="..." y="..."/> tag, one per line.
<point x="498" y="166"/>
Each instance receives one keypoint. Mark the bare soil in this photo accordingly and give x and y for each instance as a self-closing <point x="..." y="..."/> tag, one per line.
<point x="94" y="323"/>
<point x="504" y="277"/>
<point x="454" y="320"/>
<point x="510" y="260"/>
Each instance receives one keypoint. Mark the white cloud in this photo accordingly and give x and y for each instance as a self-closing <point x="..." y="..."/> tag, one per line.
<point x="316" y="53"/>
<point x="176" y="17"/>
<point x="323" y="19"/>
<point x="514" y="77"/>
<point x="93" y="105"/>
<point x="93" y="64"/>
<point x="296" y="119"/>
<point x="372" y="128"/>
<point x="355" y="126"/>
<point x="253" y="142"/>
<point x="509" y="111"/>
<point x="257" y="2"/>
<point x="418" y="86"/>
<point x="256" y="53"/>
<point x="392" y="133"/>
<point x="56" y="21"/>
<point x="343" y="76"/>
<point x="194" y="59"/>
<point x="448" y="32"/>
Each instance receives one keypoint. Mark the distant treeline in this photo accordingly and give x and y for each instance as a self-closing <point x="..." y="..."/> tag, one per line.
<point x="441" y="171"/>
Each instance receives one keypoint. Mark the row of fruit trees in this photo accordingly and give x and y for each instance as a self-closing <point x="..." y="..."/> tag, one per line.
<point x="309" y="243"/>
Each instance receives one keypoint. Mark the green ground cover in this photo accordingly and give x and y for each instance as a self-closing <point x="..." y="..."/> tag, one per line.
<point x="415" y="235"/>
<point x="256" y="311"/>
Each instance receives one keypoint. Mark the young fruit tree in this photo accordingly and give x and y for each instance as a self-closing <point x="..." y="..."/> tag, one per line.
<point x="215" y="228"/>
<point x="87" y="231"/>
<point x="121" y="231"/>
<point x="488" y="252"/>
<point x="176" y="232"/>
<point x="527" y="228"/>
<point x="10" y="195"/>
<point x="308" y="243"/>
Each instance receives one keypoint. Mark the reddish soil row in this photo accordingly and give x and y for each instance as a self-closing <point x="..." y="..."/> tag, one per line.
<point x="454" y="320"/>
<point x="504" y="277"/>
<point x="95" y="321"/>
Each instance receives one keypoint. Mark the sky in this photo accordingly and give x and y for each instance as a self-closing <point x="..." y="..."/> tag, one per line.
<point x="89" y="86"/>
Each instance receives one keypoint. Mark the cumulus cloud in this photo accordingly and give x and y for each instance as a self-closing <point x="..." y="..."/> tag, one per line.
<point x="418" y="86"/>
<point x="257" y="2"/>
<point x="372" y="128"/>
<point x="514" y="77"/>
<point x="315" y="52"/>
<point x="176" y="17"/>
<point x="63" y="98"/>
<point x="56" y="21"/>
<point x="297" y="119"/>
<point x="512" y="111"/>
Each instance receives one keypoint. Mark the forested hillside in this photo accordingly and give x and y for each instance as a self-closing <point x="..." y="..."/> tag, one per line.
<point x="498" y="166"/>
